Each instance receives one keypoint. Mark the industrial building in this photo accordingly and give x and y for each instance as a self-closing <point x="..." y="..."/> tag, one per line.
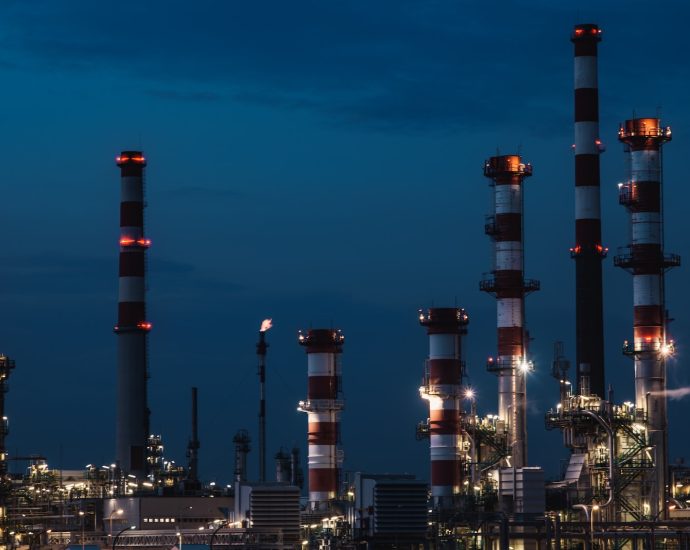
<point x="484" y="491"/>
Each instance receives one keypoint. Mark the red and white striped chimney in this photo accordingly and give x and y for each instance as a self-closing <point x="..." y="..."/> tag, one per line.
<point x="442" y="388"/>
<point x="508" y="285"/>
<point x="323" y="405"/>
<point x="588" y="251"/>
<point x="646" y="260"/>
<point x="132" y="327"/>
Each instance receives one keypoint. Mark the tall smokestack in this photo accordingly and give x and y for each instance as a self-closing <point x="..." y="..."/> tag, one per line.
<point x="588" y="251"/>
<point x="509" y="286"/>
<point x="261" y="347"/>
<point x="194" y="444"/>
<point x="646" y="260"/>
<point x="323" y="406"/>
<point x="132" y="327"/>
<point x="442" y="388"/>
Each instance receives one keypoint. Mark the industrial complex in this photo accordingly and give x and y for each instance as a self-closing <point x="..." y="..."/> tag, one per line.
<point x="618" y="490"/>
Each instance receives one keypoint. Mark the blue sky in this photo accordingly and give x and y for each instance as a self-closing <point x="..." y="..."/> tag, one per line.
<point x="318" y="163"/>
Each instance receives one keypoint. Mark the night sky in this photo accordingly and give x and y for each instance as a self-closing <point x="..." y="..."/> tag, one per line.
<point x="319" y="163"/>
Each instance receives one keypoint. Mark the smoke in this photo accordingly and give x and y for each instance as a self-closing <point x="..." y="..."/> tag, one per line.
<point x="266" y="324"/>
<point x="677" y="393"/>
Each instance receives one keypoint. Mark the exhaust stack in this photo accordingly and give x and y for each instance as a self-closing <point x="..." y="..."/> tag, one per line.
<point x="442" y="388"/>
<point x="588" y="251"/>
<point x="323" y="405"/>
<point x="646" y="260"/>
<point x="132" y="328"/>
<point x="508" y="284"/>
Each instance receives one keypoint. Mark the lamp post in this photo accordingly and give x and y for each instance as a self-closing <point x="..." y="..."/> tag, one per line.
<point x="118" y="535"/>
<point x="221" y="524"/>
<point x="179" y="539"/>
<point x="119" y="512"/>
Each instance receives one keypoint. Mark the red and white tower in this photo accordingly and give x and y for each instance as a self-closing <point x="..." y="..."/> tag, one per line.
<point x="442" y="388"/>
<point x="132" y="327"/>
<point x="588" y="251"/>
<point x="646" y="260"/>
<point x="508" y="285"/>
<point x="323" y="406"/>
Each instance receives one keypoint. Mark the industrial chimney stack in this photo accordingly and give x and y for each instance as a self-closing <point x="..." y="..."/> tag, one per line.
<point x="323" y="406"/>
<point x="508" y="285"/>
<point x="442" y="388"/>
<point x="132" y="326"/>
<point x="588" y="251"/>
<point x="646" y="260"/>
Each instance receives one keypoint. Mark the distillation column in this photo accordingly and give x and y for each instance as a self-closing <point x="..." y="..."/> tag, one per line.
<point x="132" y="327"/>
<point x="588" y="251"/>
<point x="509" y="286"/>
<point x="323" y="406"/>
<point x="442" y="388"/>
<point x="646" y="260"/>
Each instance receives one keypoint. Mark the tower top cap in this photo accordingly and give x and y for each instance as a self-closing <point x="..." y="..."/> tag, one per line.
<point x="586" y="31"/>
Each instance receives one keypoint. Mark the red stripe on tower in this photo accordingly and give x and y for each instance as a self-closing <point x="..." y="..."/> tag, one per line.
<point x="442" y="387"/>
<point x="323" y="405"/>
<point x="588" y="251"/>
<point x="132" y="327"/>
<point x="509" y="286"/>
<point x="646" y="260"/>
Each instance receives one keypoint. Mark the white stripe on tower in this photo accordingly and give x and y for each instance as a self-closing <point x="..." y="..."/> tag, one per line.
<point x="647" y="262"/>
<point x="442" y="387"/>
<point x="132" y="327"/>
<point x="323" y="406"/>
<point x="509" y="287"/>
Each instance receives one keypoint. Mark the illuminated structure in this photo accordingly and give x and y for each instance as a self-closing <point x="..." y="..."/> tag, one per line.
<point x="132" y="327"/>
<point x="323" y="405"/>
<point x="442" y="387"/>
<point x="646" y="260"/>
<point x="588" y="251"/>
<point x="508" y="285"/>
<point x="261" y="348"/>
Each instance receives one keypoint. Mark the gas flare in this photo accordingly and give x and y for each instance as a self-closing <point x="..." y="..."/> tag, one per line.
<point x="266" y="324"/>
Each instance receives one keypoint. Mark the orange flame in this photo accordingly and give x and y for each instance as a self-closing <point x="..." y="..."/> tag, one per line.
<point x="266" y="324"/>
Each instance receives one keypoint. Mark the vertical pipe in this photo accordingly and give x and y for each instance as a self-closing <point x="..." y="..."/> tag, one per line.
<point x="509" y="286"/>
<point x="323" y="406"/>
<point x="193" y="445"/>
<point x="261" y="353"/>
<point x="442" y="389"/>
<point x="647" y="261"/>
<point x="132" y="327"/>
<point x="588" y="251"/>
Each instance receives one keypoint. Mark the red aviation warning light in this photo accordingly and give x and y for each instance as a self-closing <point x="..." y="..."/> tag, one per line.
<point x="128" y="241"/>
<point x="130" y="158"/>
<point x="144" y="325"/>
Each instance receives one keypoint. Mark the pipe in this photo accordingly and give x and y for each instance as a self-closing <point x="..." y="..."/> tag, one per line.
<point x="261" y="353"/>
<point x="193" y="445"/>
